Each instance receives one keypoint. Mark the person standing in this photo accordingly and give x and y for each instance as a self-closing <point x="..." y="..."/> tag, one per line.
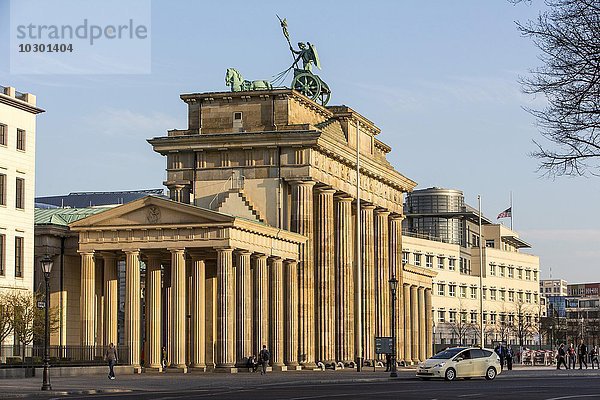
<point x="509" y="357"/>
<point x="501" y="353"/>
<point x="572" y="356"/>
<point x="264" y="357"/>
<point x="560" y="357"/>
<point x="594" y="356"/>
<point x="582" y="354"/>
<point x="163" y="358"/>
<point x="112" y="357"/>
<point x="388" y="362"/>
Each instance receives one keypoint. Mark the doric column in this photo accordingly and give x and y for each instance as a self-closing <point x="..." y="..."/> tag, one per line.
<point x="198" y="347"/>
<point x="395" y="240"/>
<point x="225" y="353"/>
<point x="368" y="264"/>
<point x="414" y="315"/>
<point x="243" y="323"/>
<point x="344" y="280"/>
<point x="428" y="324"/>
<point x="291" y="314"/>
<point x="382" y="274"/>
<point x="302" y="223"/>
<point x="261" y="302"/>
<point x="407" y="325"/>
<point x="111" y="299"/>
<point x="153" y="311"/>
<point x="324" y="250"/>
<point x="88" y="311"/>
<point x="132" y="306"/>
<point x="422" y="325"/>
<point x="276" y="313"/>
<point x="178" y="308"/>
<point x="167" y="312"/>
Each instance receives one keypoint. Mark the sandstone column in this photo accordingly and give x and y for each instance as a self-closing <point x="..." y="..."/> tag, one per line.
<point x="344" y="280"/>
<point x="243" y="309"/>
<point x="324" y="242"/>
<point x="132" y="307"/>
<point x="153" y="312"/>
<point x="225" y="352"/>
<point x="276" y="313"/>
<point x="167" y="312"/>
<point x="302" y="223"/>
<point x="407" y="325"/>
<point x="422" y="324"/>
<point x="382" y="274"/>
<point x="88" y="311"/>
<point x="291" y="314"/>
<point x="428" y="324"/>
<point x="111" y="299"/>
<point x="178" y="314"/>
<point x="198" y="350"/>
<point x="414" y="316"/>
<point x="261" y="303"/>
<point x="395" y="234"/>
<point x="368" y="254"/>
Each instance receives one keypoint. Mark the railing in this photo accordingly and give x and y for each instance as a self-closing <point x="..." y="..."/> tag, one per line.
<point x="20" y="356"/>
<point x="235" y="181"/>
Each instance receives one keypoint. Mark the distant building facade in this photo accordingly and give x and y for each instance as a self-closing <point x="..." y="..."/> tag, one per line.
<point x="94" y="199"/>
<point x="553" y="287"/>
<point x="18" y="113"/>
<point x="442" y="234"/>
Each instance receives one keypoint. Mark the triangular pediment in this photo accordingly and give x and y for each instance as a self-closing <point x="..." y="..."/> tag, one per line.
<point x="154" y="211"/>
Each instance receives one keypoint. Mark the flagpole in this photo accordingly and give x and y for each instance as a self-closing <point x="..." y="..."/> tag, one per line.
<point x="481" y="275"/>
<point x="511" y="212"/>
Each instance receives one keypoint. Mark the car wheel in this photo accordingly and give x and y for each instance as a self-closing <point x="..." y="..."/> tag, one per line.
<point x="490" y="374"/>
<point x="450" y="374"/>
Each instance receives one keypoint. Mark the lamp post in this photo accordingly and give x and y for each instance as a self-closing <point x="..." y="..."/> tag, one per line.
<point x="46" y="264"/>
<point x="393" y="287"/>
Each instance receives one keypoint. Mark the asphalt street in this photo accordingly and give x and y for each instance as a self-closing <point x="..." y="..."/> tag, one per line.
<point x="546" y="384"/>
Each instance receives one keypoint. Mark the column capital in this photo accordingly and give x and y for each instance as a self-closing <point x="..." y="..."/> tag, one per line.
<point x="287" y="261"/>
<point x="343" y="197"/>
<point x="302" y="182"/>
<point x="382" y="211"/>
<point x="325" y="190"/>
<point x="86" y="252"/>
<point x="224" y="249"/>
<point x="396" y="217"/>
<point x="132" y="252"/>
<point x="367" y="206"/>
<point x="259" y="255"/>
<point x="275" y="258"/>
<point x="175" y="250"/>
<point x="243" y="252"/>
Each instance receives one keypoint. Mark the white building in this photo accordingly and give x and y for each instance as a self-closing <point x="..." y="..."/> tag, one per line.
<point x="17" y="186"/>
<point x="553" y="287"/>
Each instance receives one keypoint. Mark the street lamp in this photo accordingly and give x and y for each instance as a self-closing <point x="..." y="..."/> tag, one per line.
<point x="46" y="269"/>
<point x="393" y="288"/>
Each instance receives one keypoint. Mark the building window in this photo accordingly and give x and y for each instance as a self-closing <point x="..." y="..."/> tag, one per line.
<point x="484" y="293"/>
<point x="502" y="295"/>
<point x="452" y="290"/>
<point x="441" y="316"/>
<point x="20" y="193"/>
<point x="429" y="261"/>
<point x="2" y="189"/>
<point x="405" y="257"/>
<point x="489" y="243"/>
<point x="463" y="291"/>
<point x="440" y="262"/>
<point x="452" y="316"/>
<point x="20" y="139"/>
<point x="492" y="269"/>
<point x="3" y="134"/>
<point x="18" y="257"/>
<point x="511" y="272"/>
<point x="465" y="266"/>
<point x="417" y="259"/>
<point x="520" y="273"/>
<point x="520" y="296"/>
<point x="535" y="275"/>
<point x="474" y="240"/>
<point x="441" y="289"/>
<point x="528" y="297"/>
<point x="463" y="317"/>
<point x="452" y="264"/>
<point x="493" y="318"/>
<point x="2" y="253"/>
<point x="501" y="269"/>
<point x="473" y="317"/>
<point x="528" y="275"/>
<point x="473" y="292"/>
<point x="492" y="294"/>
<point x="511" y="296"/>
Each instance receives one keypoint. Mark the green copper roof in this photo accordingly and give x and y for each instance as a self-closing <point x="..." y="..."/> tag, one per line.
<point x="64" y="216"/>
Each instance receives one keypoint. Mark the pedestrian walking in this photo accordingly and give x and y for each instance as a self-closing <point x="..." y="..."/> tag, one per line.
<point x="509" y="357"/>
<point x="572" y="356"/>
<point x="264" y="356"/>
<point x="501" y="354"/>
<point x="582" y="354"/>
<point x="594" y="356"/>
<point x="163" y="358"/>
<point x="112" y="357"/>
<point x="560" y="357"/>
<point x="388" y="362"/>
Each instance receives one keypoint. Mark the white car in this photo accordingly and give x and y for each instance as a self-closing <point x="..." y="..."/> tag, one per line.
<point x="461" y="362"/>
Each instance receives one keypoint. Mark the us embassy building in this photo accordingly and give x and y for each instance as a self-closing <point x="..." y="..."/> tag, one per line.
<point x="256" y="245"/>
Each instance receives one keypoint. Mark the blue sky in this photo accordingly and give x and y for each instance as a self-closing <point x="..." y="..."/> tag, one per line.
<point x="438" y="77"/>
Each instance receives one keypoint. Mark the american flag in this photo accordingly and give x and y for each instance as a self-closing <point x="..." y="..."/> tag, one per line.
<point x="506" y="213"/>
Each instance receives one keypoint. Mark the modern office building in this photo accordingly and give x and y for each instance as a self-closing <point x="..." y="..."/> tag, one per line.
<point x="442" y="234"/>
<point x="18" y="113"/>
<point x="553" y="287"/>
<point x="583" y="290"/>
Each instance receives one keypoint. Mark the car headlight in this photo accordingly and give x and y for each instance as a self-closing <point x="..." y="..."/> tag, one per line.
<point x="439" y="365"/>
<point x="421" y="365"/>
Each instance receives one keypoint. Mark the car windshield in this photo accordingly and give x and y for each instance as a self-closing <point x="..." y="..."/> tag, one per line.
<point x="449" y="353"/>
